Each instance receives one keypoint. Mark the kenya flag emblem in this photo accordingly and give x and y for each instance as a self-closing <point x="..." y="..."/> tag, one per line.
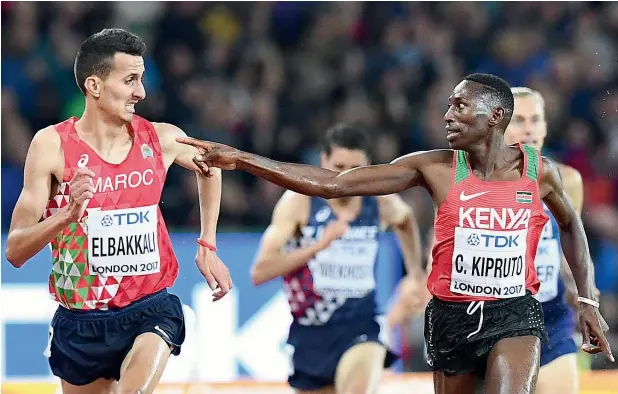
<point x="523" y="197"/>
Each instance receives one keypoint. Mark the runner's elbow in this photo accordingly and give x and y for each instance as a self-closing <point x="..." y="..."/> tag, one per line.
<point x="13" y="257"/>
<point x="12" y="251"/>
<point x="258" y="274"/>
<point x="331" y="190"/>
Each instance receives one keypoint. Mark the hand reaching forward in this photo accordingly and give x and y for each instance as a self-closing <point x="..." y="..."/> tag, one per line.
<point x="593" y="328"/>
<point x="212" y="154"/>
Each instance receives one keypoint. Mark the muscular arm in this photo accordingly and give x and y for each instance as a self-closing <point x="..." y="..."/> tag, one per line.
<point x="574" y="189"/>
<point x="209" y="188"/>
<point x="271" y="261"/>
<point x="27" y="234"/>
<point x="573" y="237"/>
<point x="375" y="180"/>
<point x="399" y="215"/>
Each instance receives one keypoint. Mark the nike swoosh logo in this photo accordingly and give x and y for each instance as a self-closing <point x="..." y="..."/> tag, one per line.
<point x="463" y="197"/>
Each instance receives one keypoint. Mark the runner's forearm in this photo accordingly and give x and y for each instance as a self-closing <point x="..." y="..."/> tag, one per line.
<point x="410" y="239"/>
<point x="575" y="248"/>
<point x="301" y="178"/>
<point x="374" y="180"/>
<point x="24" y="243"/>
<point x="281" y="264"/>
<point x="209" y="193"/>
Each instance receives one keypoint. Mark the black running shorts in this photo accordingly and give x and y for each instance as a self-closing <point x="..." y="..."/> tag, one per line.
<point x="460" y="335"/>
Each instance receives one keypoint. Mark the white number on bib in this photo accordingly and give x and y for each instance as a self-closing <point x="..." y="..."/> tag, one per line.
<point x="123" y="242"/>
<point x="345" y="268"/>
<point x="489" y="263"/>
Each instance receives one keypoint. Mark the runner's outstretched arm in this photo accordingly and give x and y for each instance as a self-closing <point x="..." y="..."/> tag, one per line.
<point x="577" y="253"/>
<point x="374" y="180"/>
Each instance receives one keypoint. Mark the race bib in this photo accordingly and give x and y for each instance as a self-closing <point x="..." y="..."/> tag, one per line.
<point x="547" y="263"/>
<point x="489" y="263"/>
<point x="345" y="269"/>
<point x="123" y="242"/>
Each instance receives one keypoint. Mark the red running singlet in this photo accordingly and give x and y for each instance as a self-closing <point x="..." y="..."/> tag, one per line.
<point x="487" y="233"/>
<point x="120" y="250"/>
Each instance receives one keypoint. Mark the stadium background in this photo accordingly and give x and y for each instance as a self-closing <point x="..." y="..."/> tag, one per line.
<point x="270" y="78"/>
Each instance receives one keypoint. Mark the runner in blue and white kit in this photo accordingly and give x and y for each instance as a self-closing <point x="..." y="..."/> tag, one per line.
<point x="328" y="270"/>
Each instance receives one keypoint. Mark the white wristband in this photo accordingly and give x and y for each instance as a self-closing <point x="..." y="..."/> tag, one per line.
<point x="588" y="301"/>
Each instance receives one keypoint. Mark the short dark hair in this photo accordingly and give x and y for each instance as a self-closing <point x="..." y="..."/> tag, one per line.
<point x="96" y="54"/>
<point x="497" y="89"/>
<point x="348" y="136"/>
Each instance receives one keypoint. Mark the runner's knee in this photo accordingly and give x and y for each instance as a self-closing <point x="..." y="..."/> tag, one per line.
<point x="360" y="369"/>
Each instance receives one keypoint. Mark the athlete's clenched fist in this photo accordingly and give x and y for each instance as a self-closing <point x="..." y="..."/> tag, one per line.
<point x="81" y="191"/>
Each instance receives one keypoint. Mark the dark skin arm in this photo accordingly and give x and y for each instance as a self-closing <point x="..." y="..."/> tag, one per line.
<point x="314" y="181"/>
<point x="575" y="248"/>
<point x="401" y="174"/>
<point x="574" y="189"/>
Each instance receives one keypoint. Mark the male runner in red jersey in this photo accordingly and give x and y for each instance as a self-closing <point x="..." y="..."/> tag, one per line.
<point x="483" y="320"/>
<point x="98" y="181"/>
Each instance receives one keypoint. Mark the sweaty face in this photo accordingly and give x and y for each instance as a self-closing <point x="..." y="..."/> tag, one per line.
<point x="528" y="123"/>
<point x="123" y="87"/>
<point x="466" y="120"/>
<point x="343" y="159"/>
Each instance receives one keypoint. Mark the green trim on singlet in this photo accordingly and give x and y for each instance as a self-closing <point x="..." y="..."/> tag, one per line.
<point x="532" y="158"/>
<point x="461" y="168"/>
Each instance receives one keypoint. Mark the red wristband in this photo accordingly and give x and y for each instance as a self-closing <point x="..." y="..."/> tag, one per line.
<point x="205" y="244"/>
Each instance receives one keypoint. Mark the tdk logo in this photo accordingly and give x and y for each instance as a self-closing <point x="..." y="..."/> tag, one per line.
<point x="473" y="240"/>
<point x="125" y="219"/>
<point x="500" y="241"/>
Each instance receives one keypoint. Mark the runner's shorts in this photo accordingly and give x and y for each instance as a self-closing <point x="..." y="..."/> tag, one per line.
<point x="560" y="326"/>
<point x="460" y="335"/>
<point x="318" y="349"/>
<point x="88" y="345"/>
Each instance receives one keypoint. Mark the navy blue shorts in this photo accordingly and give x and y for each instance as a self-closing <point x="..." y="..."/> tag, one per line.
<point x="560" y="326"/>
<point x="88" y="345"/>
<point x="318" y="349"/>
<point x="560" y="342"/>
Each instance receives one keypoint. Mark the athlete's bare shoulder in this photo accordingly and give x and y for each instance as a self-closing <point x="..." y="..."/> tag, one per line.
<point x="419" y="160"/>
<point x="174" y="152"/>
<point x="167" y="132"/>
<point x="573" y="185"/>
<point x="566" y="174"/>
<point x="48" y="135"/>
<point x="571" y="178"/>
<point x="550" y="180"/>
<point x="46" y="152"/>
<point x="293" y="206"/>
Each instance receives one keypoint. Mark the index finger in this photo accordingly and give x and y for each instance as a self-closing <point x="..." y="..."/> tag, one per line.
<point x="223" y="283"/>
<point x="193" y="142"/>
<point x="604" y="344"/>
